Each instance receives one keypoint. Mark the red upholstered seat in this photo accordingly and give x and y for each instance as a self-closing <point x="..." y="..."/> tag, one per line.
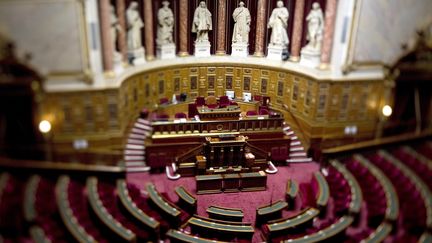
<point x="162" y="117"/>
<point x="251" y="113"/>
<point x="192" y="110"/>
<point x="257" y="98"/>
<point x="263" y="112"/>
<point x="224" y="101"/>
<point x="180" y="115"/>
<point x="200" y="101"/>
<point x="163" y="101"/>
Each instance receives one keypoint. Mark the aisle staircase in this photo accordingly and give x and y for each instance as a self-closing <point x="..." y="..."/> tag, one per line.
<point x="134" y="153"/>
<point x="297" y="152"/>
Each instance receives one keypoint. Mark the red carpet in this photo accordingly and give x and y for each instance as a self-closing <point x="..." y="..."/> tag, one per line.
<point x="247" y="201"/>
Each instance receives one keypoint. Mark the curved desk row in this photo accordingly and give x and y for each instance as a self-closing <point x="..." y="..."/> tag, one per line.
<point x="223" y="213"/>
<point x="102" y="213"/>
<point x="292" y="189"/>
<point x="270" y="212"/>
<point x="356" y="192"/>
<point x="221" y="229"/>
<point x="323" y="194"/>
<point x="66" y="213"/>
<point x="186" y="200"/>
<point x="380" y="233"/>
<point x="421" y="186"/>
<point x="290" y="225"/>
<point x="132" y="208"/>
<point x="331" y="233"/>
<point x="167" y="208"/>
<point x="30" y="198"/>
<point x="392" y="211"/>
<point x="179" y="236"/>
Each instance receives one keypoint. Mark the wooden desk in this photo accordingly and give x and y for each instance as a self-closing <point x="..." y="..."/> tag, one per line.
<point x="221" y="229"/>
<point x="228" y="214"/>
<point x="162" y="204"/>
<point x="292" y="189"/>
<point x="290" y="225"/>
<point x="253" y="181"/>
<point x="186" y="200"/>
<point x="178" y="236"/>
<point x="356" y="192"/>
<point x="132" y="208"/>
<point x="270" y="212"/>
<point x="333" y="233"/>
<point x="231" y="182"/>
<point x="227" y="113"/>
<point x="324" y="192"/>
<point x="208" y="183"/>
<point x="103" y="214"/>
<point x="380" y="233"/>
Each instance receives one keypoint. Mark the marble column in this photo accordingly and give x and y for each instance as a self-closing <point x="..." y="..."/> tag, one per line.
<point x="260" y="28"/>
<point x="148" y="30"/>
<point x="297" y="30"/>
<point x="107" y="48"/>
<point x="329" y="26"/>
<point x="221" y="22"/>
<point x="183" y="28"/>
<point x="120" y="4"/>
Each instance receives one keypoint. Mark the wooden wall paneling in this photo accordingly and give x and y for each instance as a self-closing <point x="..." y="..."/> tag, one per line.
<point x="220" y="81"/>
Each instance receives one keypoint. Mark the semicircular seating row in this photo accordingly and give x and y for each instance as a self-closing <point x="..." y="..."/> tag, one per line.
<point x="370" y="197"/>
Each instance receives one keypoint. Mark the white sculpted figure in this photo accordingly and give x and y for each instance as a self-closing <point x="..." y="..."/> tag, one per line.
<point x="135" y="24"/>
<point x="242" y="21"/>
<point x="315" y="20"/>
<point x="115" y="27"/>
<point x="165" y="24"/>
<point x="202" y="22"/>
<point x="278" y="22"/>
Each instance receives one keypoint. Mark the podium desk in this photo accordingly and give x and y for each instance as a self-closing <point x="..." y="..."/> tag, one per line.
<point x="208" y="183"/>
<point x="231" y="182"/>
<point x="253" y="181"/>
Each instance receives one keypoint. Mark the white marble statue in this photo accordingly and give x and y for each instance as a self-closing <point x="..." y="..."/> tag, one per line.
<point x="165" y="25"/>
<point x="202" y="22"/>
<point x="315" y="25"/>
<point x="135" y="24"/>
<point x="115" y="27"/>
<point x="278" y="22"/>
<point x="242" y="19"/>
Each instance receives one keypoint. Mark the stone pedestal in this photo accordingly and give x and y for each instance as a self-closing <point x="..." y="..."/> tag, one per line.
<point x="310" y="57"/>
<point x="239" y="50"/>
<point x="166" y="51"/>
<point x="202" y="49"/>
<point x="137" y="56"/>
<point x="275" y="52"/>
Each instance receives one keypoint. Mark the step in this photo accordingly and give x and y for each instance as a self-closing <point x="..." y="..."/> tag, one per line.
<point x="134" y="157"/>
<point x="289" y="133"/>
<point x="134" y="152"/>
<point x="135" y="163"/>
<point x="287" y="128"/>
<point x="137" y="169"/>
<point x="134" y="146"/>
<point x="137" y="136"/>
<point x="140" y="131"/>
<point x="144" y="121"/>
<point x="135" y="141"/>
<point x="296" y="148"/>
<point x="143" y="127"/>
<point x="294" y="138"/>
<point x="298" y="154"/>
<point x="293" y="143"/>
<point x="299" y="160"/>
